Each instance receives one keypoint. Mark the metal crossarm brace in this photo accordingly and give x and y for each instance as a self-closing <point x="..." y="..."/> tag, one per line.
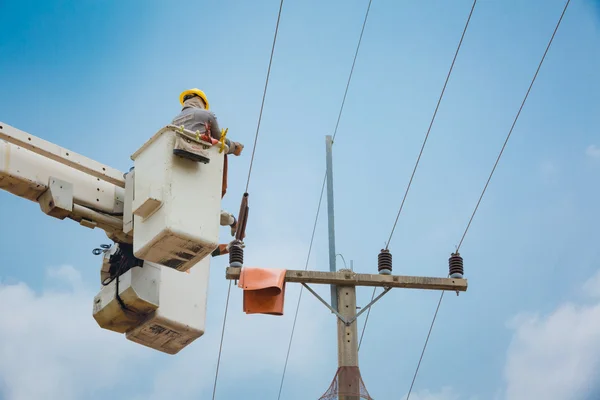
<point x="325" y="303"/>
<point x="347" y="322"/>
<point x="365" y="308"/>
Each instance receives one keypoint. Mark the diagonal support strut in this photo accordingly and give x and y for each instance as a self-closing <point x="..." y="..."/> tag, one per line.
<point x="344" y="320"/>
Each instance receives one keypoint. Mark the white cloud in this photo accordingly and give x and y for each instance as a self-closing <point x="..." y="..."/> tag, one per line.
<point x="254" y="347"/>
<point x="555" y="357"/>
<point x="592" y="286"/>
<point x="593" y="151"/>
<point x="51" y="347"/>
<point x="68" y="275"/>
<point x="51" y="338"/>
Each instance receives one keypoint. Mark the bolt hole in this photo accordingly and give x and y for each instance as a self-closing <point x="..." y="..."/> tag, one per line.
<point x="67" y="154"/>
<point x="98" y="189"/>
<point x="346" y="306"/>
<point x="348" y="341"/>
<point x="103" y="169"/>
<point x="97" y="199"/>
<point x="29" y="139"/>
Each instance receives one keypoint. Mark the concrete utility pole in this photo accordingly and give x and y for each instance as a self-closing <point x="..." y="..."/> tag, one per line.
<point x="330" y="218"/>
<point x="343" y="298"/>
<point x="343" y="295"/>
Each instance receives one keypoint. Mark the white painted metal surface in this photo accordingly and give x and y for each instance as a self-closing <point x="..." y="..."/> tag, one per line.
<point x="59" y="154"/>
<point x="181" y="317"/>
<point x="176" y="203"/>
<point x="138" y="289"/>
<point x="127" y="207"/>
<point x="26" y="174"/>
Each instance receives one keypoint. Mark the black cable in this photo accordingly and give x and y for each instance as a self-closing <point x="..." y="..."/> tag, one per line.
<point x="431" y="124"/>
<point x="421" y="152"/>
<point x="287" y="357"/>
<point x="362" y="31"/>
<point x="110" y="214"/>
<point x="121" y="269"/>
<point x="221" y="345"/>
<point x="264" y="95"/>
<point x="366" y="320"/>
<point x="248" y="181"/>
<point x="513" y="125"/>
<point x="322" y="191"/>
<point x="487" y="183"/>
<point x="425" y="345"/>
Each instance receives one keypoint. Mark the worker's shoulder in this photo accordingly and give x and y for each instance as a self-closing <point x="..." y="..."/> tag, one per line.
<point x="195" y="114"/>
<point x="202" y="113"/>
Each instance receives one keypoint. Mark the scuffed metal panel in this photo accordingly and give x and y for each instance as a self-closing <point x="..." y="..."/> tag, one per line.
<point x="26" y="174"/>
<point x="16" y="184"/>
<point x="61" y="155"/>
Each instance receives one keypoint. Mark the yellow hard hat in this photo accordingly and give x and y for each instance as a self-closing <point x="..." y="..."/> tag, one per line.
<point x="196" y="92"/>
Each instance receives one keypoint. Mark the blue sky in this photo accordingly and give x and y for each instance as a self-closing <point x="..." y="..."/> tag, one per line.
<point x="100" y="78"/>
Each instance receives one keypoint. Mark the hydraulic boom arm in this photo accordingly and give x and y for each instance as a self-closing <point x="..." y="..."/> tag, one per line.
<point x="64" y="183"/>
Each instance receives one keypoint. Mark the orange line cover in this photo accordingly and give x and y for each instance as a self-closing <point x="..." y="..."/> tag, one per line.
<point x="264" y="290"/>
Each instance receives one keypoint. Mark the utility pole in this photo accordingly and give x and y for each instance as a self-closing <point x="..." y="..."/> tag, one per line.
<point x="330" y="217"/>
<point x="348" y="384"/>
<point x="346" y="282"/>
<point x="343" y="298"/>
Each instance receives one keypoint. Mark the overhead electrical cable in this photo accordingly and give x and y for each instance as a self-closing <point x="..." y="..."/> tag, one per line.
<point x="262" y="105"/>
<point x="486" y="185"/>
<point x="421" y="152"/>
<point x="248" y="182"/>
<point x="321" y="195"/>
<point x="221" y="343"/>
<point x="431" y="123"/>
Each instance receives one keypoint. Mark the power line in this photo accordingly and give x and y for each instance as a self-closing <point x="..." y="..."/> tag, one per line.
<point x="425" y="346"/>
<point x="322" y="191"/>
<point x="287" y="357"/>
<point x="221" y="345"/>
<point x="487" y="183"/>
<point x="248" y="183"/>
<point x="513" y="124"/>
<point x="362" y="31"/>
<point x="366" y="320"/>
<point x="421" y="152"/>
<point x="264" y="94"/>
<point x="431" y="123"/>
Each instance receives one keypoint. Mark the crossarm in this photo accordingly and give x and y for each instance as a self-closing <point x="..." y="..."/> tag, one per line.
<point x="349" y="278"/>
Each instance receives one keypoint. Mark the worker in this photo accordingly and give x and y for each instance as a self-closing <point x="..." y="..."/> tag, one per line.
<point x="196" y="117"/>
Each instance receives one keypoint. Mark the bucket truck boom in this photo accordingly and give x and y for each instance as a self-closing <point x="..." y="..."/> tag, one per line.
<point x="163" y="217"/>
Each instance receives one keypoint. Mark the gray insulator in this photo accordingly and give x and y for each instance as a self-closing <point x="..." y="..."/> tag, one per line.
<point x="236" y="256"/>
<point x="384" y="262"/>
<point x="455" y="263"/>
